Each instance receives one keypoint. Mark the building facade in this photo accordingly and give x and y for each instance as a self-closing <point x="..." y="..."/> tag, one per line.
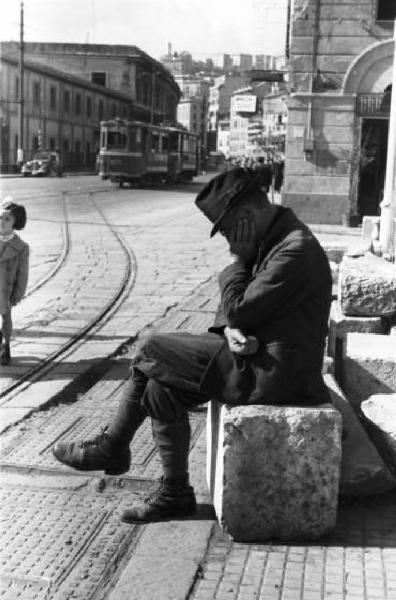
<point x="70" y="88"/>
<point x="275" y="116"/>
<point x="341" y="57"/>
<point x="246" y="121"/>
<point x="223" y="137"/>
<point x="220" y="102"/>
<point x="193" y="107"/>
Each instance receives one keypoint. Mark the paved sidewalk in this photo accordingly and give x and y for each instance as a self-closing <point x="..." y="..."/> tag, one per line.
<point x="63" y="539"/>
<point x="62" y="535"/>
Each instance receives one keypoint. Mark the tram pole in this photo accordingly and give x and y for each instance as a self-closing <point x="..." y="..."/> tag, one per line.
<point x="388" y="205"/>
<point x="21" y="93"/>
<point x="152" y="96"/>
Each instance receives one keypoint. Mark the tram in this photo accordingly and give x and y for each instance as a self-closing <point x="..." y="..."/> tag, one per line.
<point x="136" y="152"/>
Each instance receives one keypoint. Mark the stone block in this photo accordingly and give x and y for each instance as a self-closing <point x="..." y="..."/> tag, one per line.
<point x="367" y="286"/>
<point x="380" y="412"/>
<point x="340" y="325"/>
<point x="363" y="471"/>
<point x="273" y="471"/>
<point x="369" y="366"/>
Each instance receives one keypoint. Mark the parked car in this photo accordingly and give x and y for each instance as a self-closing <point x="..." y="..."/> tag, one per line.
<point x="43" y="164"/>
<point x="26" y="169"/>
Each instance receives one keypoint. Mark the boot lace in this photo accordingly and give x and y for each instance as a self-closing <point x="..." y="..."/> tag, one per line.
<point x="153" y="497"/>
<point x="96" y="441"/>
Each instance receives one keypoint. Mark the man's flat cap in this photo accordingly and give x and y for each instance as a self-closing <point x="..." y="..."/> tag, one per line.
<point x="224" y="191"/>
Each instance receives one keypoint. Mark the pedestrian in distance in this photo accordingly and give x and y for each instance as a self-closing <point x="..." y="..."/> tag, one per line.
<point x="266" y="345"/>
<point x="14" y="269"/>
<point x="264" y="174"/>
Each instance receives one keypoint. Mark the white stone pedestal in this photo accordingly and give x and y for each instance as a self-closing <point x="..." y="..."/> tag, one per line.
<point x="273" y="472"/>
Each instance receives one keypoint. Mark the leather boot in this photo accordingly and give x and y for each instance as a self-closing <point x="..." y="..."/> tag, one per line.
<point x="5" y="355"/>
<point x="175" y="497"/>
<point x="109" y="451"/>
<point x="101" y="453"/>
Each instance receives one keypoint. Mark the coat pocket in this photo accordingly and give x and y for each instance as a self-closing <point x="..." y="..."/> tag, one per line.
<point x="275" y="369"/>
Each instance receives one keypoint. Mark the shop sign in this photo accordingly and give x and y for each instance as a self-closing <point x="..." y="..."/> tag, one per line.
<point x="243" y="103"/>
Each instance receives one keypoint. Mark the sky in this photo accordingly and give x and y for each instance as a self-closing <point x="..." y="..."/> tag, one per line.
<point x="203" y="27"/>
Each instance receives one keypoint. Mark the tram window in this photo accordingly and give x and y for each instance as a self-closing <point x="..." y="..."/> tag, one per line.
<point x="135" y="139"/>
<point x="174" y="143"/>
<point x="165" y="143"/>
<point x="116" y="139"/>
<point x="155" y="142"/>
<point x="103" y="142"/>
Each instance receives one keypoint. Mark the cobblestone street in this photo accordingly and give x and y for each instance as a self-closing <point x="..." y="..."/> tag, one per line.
<point x="106" y="265"/>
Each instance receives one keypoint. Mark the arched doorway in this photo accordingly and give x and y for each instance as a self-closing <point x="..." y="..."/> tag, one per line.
<point x="369" y="78"/>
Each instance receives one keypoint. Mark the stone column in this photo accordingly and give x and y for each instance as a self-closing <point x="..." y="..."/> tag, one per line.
<point x="388" y="205"/>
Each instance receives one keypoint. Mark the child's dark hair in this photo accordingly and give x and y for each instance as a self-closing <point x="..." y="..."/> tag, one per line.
<point x="18" y="212"/>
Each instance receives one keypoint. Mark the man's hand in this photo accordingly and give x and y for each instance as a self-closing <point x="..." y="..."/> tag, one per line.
<point x="238" y="343"/>
<point x="243" y="241"/>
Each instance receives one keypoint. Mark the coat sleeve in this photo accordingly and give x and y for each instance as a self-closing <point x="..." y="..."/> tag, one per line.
<point x="220" y="322"/>
<point x="22" y="275"/>
<point x="249" y="302"/>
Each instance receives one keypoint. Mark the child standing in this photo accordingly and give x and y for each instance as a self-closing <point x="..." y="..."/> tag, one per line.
<point x="14" y="269"/>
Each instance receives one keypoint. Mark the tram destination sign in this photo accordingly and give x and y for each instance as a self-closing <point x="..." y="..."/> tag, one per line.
<point x="373" y="105"/>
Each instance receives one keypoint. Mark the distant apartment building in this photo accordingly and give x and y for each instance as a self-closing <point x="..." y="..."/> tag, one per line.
<point x="246" y="122"/>
<point x="223" y="137"/>
<point x="274" y="111"/>
<point x="341" y="61"/>
<point x="244" y="62"/>
<point x="193" y="106"/>
<point x="70" y="88"/>
<point x="227" y="62"/>
<point x="264" y="61"/>
<point x="219" y="103"/>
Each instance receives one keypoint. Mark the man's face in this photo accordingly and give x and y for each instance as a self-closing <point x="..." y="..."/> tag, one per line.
<point x="6" y="222"/>
<point x="230" y="220"/>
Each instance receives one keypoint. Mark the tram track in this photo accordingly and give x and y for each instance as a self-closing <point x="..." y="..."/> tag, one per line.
<point x="44" y="366"/>
<point x="62" y="257"/>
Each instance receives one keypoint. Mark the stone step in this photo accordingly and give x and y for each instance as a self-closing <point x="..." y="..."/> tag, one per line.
<point x="369" y="366"/>
<point x="367" y="286"/>
<point x="273" y="471"/>
<point x="341" y="324"/>
<point x="380" y="412"/>
<point x="363" y="471"/>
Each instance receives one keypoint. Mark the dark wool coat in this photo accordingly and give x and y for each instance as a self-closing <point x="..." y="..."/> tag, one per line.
<point x="14" y="271"/>
<point x="285" y="303"/>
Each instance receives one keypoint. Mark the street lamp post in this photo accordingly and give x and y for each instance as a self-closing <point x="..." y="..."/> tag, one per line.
<point x="152" y="97"/>
<point x="21" y="93"/>
<point x="388" y="205"/>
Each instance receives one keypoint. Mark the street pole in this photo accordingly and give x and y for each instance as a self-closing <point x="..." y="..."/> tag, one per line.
<point x="388" y="205"/>
<point x="152" y="97"/>
<point x="21" y="93"/>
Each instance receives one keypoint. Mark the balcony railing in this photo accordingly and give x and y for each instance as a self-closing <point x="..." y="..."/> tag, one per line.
<point x="373" y="105"/>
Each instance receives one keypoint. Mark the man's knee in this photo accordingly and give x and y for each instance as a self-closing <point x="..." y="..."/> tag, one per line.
<point x="149" y="342"/>
<point x="161" y="403"/>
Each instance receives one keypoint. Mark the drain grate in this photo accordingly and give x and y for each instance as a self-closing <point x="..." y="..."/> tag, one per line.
<point x="56" y="540"/>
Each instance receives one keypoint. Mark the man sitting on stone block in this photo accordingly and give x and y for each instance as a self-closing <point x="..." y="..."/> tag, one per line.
<point x="265" y="347"/>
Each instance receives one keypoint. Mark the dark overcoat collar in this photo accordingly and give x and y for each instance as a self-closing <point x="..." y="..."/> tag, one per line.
<point x="284" y="221"/>
<point x="12" y="248"/>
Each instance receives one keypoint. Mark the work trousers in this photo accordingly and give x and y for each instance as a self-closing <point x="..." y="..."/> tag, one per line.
<point x="164" y="379"/>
